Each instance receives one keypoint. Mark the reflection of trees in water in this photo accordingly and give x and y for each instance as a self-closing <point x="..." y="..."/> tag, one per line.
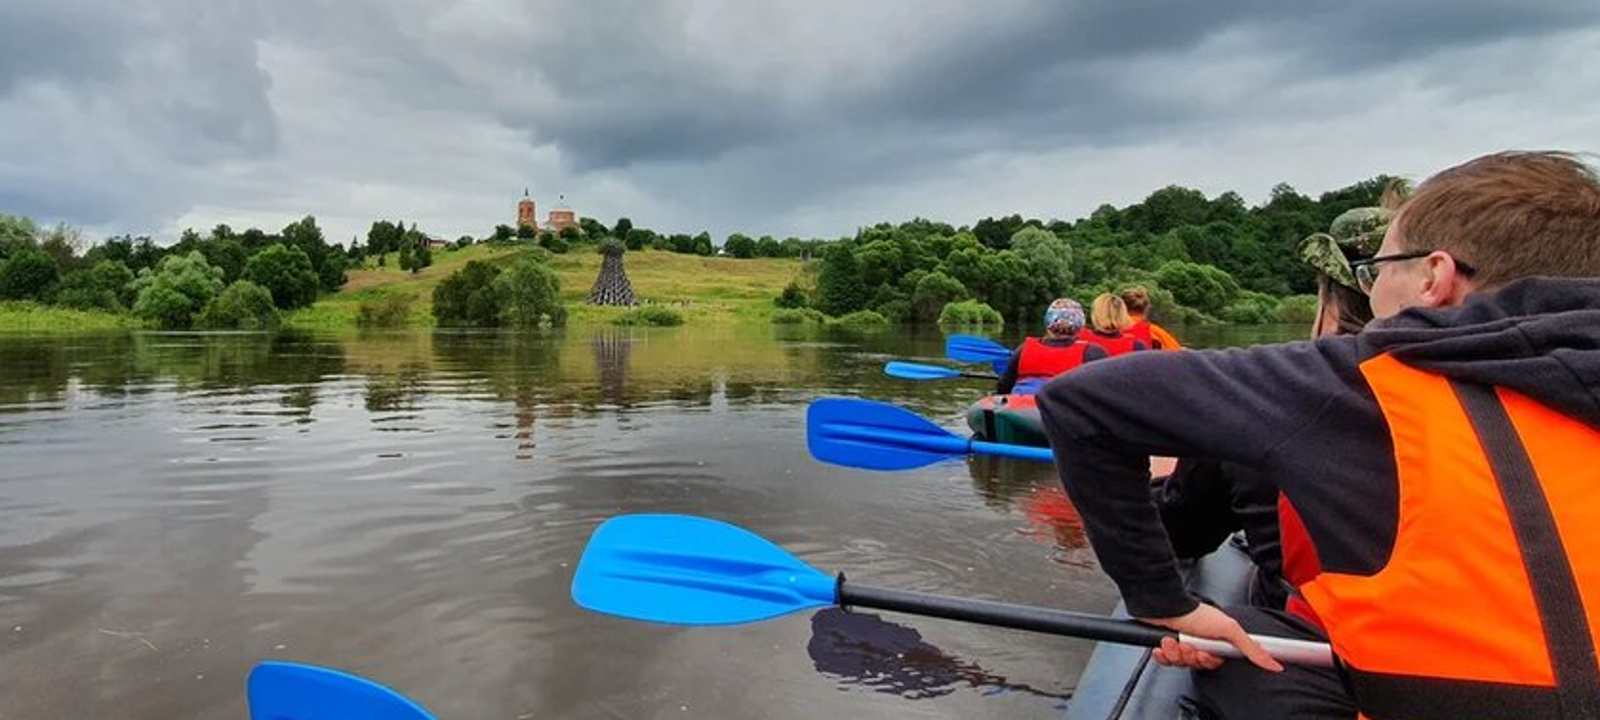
<point x="866" y="650"/>
<point x="395" y="392"/>
<point x="521" y="368"/>
<point x="112" y="365"/>
<point x="611" y="350"/>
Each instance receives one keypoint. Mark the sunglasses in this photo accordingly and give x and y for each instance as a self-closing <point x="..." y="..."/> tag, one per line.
<point x="1366" y="269"/>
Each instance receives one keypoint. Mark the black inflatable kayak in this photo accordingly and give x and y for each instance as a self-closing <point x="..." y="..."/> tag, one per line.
<point x="1122" y="682"/>
<point x="1010" y="419"/>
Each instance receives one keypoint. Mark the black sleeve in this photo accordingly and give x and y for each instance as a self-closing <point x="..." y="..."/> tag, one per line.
<point x="1008" y="379"/>
<point x="1095" y="352"/>
<point x="1139" y="345"/>
<point x="1196" y="507"/>
<point x="1106" y="419"/>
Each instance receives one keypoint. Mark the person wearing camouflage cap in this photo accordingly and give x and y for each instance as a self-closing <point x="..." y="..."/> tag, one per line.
<point x="1354" y="235"/>
<point x="1037" y="360"/>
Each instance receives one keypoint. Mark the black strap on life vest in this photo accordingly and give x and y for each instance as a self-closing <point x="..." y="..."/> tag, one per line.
<point x="1555" y="595"/>
<point x="1555" y="589"/>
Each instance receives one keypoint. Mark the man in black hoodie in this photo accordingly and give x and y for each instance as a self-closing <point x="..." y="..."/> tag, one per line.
<point x="1458" y="545"/>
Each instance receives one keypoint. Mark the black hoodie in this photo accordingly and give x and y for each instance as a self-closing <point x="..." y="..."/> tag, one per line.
<point x="1303" y="415"/>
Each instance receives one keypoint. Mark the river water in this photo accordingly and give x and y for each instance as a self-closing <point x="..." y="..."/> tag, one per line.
<point x="410" y="507"/>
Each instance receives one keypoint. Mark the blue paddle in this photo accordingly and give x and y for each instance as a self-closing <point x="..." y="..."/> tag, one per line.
<point x="971" y="348"/>
<point x="685" y="570"/>
<point x="291" y="691"/>
<point x="915" y="371"/>
<point x="878" y="436"/>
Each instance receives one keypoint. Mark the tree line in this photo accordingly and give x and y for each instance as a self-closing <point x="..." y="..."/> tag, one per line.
<point x="1204" y="258"/>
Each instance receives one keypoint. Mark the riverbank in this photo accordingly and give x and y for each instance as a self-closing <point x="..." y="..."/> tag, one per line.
<point x="702" y="289"/>
<point x="30" y="317"/>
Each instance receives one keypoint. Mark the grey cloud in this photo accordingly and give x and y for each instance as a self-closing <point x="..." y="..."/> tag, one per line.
<point x="732" y="110"/>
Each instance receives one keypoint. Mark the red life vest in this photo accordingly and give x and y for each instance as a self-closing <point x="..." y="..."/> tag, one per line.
<point x="1047" y="361"/>
<point x="1139" y="329"/>
<point x="1300" y="562"/>
<point x="1119" y="344"/>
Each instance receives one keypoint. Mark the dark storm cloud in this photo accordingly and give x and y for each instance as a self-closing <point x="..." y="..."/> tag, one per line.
<point x="717" y="111"/>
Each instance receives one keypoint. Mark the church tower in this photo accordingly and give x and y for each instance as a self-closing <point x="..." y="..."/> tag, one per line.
<point x="525" y="215"/>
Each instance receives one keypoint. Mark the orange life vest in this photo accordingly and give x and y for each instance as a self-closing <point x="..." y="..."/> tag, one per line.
<point x="1047" y="361"/>
<point x="1483" y="609"/>
<point x="1154" y="336"/>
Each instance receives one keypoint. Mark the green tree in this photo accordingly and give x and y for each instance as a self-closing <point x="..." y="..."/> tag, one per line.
<point x="529" y="295"/>
<point x="933" y="292"/>
<point x="526" y="232"/>
<point x="106" y="286"/>
<point x="998" y="234"/>
<point x="422" y="258"/>
<point x="638" y="238"/>
<point x="64" y="244"/>
<point x="179" y="287"/>
<point x="622" y="228"/>
<point x="554" y="243"/>
<point x="791" y="297"/>
<point x="286" y="273"/>
<point x="407" y="255"/>
<point x="30" y="274"/>
<point x="702" y="245"/>
<point x="467" y="297"/>
<point x="768" y="247"/>
<point x="839" y="288"/>
<point x="740" y="245"/>
<point x="591" y="227"/>
<point x="503" y="233"/>
<point x="17" y="233"/>
<point x="227" y="254"/>
<point x="243" y="305"/>
<point x="1049" y="261"/>
<point x="1202" y="287"/>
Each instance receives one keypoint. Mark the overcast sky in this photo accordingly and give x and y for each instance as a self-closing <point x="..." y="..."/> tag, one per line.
<point x="793" y="118"/>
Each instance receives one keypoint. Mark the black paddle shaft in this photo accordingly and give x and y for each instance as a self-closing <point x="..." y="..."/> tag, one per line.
<point x="1020" y="617"/>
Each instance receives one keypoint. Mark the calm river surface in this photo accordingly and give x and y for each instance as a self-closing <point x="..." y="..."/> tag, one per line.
<point x="175" y="508"/>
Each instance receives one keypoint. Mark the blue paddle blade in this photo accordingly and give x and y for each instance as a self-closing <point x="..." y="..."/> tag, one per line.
<point x="914" y="371"/>
<point x="687" y="570"/>
<point x="290" y="691"/>
<point x="876" y="436"/>
<point x="971" y="348"/>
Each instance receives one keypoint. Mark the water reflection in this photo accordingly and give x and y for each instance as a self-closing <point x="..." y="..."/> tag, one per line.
<point x="409" y="505"/>
<point x="863" y="649"/>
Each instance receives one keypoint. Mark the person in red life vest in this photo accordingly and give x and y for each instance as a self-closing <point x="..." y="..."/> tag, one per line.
<point x="1441" y="461"/>
<point x="1108" y="317"/>
<point x="1037" y="360"/>
<point x="1203" y="501"/>
<point x="1137" y="298"/>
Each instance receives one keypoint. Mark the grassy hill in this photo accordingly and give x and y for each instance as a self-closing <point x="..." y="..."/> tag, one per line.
<point x="705" y="289"/>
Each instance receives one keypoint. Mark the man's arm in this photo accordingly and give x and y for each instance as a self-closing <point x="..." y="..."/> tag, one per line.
<point x="1106" y="419"/>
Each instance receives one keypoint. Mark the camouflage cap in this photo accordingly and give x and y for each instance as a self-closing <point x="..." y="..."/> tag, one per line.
<point x="1355" y="234"/>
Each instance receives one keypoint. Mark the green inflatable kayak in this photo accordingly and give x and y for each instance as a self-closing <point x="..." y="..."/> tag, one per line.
<point x="1010" y="419"/>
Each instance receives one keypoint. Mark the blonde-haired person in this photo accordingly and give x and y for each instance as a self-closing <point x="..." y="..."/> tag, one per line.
<point x="1137" y="298"/>
<point x="1108" y="323"/>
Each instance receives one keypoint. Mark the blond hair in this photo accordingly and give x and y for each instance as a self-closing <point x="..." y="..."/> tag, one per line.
<point x="1109" y="314"/>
